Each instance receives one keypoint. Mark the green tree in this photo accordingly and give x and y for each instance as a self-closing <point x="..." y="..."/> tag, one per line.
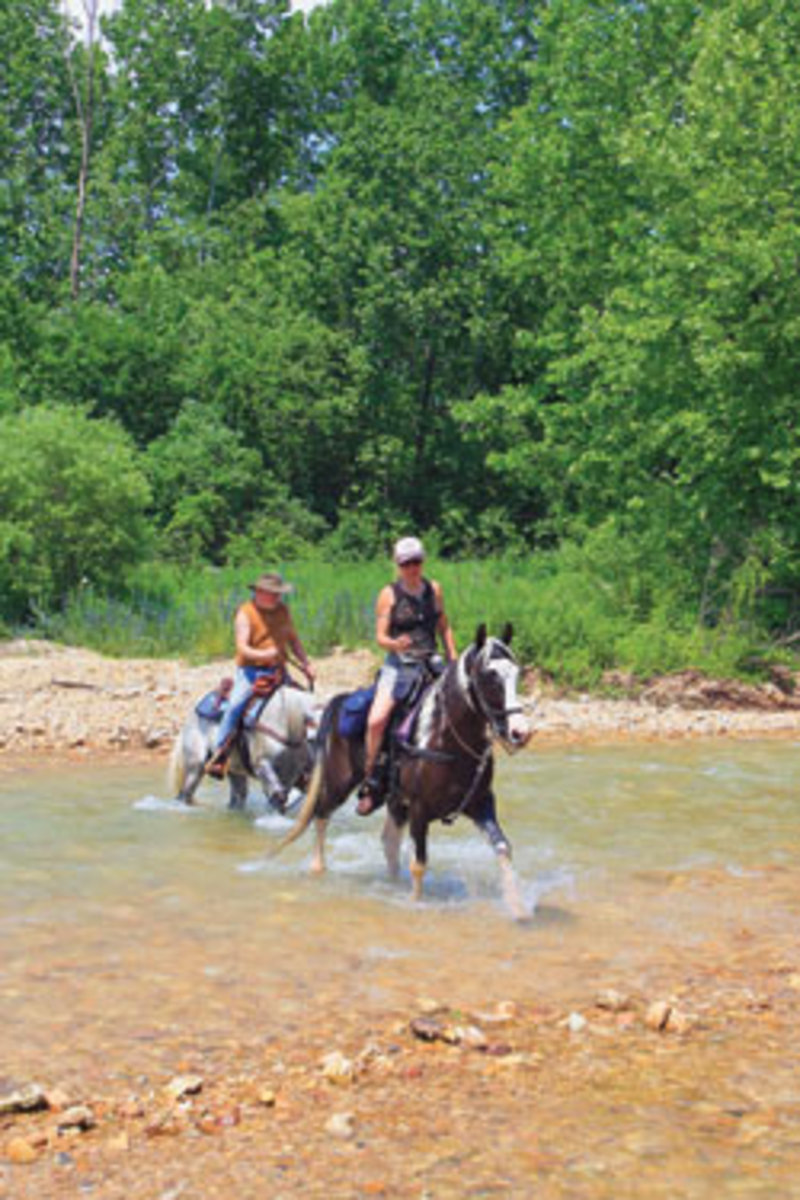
<point x="205" y="484"/>
<point x="73" y="500"/>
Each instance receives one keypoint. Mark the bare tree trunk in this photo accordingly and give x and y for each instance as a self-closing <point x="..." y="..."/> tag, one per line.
<point x="84" y="107"/>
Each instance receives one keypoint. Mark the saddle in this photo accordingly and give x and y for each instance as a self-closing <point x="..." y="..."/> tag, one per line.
<point x="399" y="734"/>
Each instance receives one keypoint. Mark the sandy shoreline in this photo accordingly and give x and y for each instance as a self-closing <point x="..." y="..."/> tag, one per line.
<point x="67" y="703"/>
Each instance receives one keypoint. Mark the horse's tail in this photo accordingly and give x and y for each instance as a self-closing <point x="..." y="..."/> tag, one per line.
<point x="306" y="814"/>
<point x="176" y="771"/>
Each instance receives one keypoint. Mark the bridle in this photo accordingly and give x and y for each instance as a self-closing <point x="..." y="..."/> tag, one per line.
<point x="491" y="713"/>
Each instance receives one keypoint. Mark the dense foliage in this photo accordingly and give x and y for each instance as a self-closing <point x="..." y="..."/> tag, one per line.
<point x="519" y="276"/>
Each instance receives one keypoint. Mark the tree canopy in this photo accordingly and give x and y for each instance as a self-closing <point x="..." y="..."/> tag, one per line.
<point x="508" y="273"/>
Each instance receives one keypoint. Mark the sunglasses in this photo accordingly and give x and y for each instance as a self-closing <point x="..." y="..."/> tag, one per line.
<point x="412" y="562"/>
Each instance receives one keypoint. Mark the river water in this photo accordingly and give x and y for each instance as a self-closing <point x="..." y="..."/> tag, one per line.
<point x="128" y="924"/>
<point x="607" y="842"/>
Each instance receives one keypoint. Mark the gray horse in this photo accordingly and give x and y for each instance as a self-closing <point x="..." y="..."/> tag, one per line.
<point x="277" y="750"/>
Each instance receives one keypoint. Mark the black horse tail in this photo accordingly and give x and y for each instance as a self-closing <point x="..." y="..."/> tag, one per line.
<point x="306" y="814"/>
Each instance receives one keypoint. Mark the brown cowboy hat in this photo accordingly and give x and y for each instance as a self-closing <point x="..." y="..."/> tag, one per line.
<point x="271" y="582"/>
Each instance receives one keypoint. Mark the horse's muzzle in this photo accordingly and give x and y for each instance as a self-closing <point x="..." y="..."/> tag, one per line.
<point x="519" y="732"/>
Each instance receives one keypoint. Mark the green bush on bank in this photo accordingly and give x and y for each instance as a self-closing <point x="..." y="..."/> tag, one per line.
<point x="575" y="615"/>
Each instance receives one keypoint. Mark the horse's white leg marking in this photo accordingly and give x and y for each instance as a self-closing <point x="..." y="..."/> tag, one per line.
<point x="268" y="778"/>
<point x="318" y="856"/>
<point x="417" y="876"/>
<point x="391" y="837"/>
<point x="511" y="894"/>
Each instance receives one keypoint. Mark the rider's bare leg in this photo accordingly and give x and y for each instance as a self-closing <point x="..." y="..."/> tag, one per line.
<point x="379" y="716"/>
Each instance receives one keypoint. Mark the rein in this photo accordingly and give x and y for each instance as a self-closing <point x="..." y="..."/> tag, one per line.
<point x="278" y="737"/>
<point x="478" y="704"/>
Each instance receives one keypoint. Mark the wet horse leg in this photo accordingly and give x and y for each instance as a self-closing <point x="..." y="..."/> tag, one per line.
<point x="238" y="786"/>
<point x="190" y="784"/>
<point x="318" y="855"/>
<point x="419" y="836"/>
<point x="486" y="820"/>
<point x="391" y="837"/>
<point x="273" y="789"/>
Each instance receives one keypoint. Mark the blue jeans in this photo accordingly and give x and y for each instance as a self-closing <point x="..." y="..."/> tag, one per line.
<point x="242" y="691"/>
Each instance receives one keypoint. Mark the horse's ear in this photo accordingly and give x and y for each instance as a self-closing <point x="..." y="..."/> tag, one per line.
<point x="507" y="634"/>
<point x="480" y="636"/>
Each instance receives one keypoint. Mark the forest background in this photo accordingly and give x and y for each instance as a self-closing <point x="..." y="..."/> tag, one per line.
<point x="520" y="277"/>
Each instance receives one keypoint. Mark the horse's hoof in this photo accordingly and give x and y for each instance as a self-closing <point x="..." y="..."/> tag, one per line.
<point x="278" y="800"/>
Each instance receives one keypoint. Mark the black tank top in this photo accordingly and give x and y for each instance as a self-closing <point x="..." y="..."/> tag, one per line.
<point x="416" y="616"/>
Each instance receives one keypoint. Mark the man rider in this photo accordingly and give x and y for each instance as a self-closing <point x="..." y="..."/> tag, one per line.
<point x="265" y="634"/>
<point x="409" y="614"/>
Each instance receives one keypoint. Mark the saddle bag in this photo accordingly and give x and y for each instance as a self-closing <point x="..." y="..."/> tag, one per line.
<point x="212" y="707"/>
<point x="354" y="712"/>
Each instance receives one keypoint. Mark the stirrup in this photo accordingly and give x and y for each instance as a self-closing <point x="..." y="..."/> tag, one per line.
<point x="369" y="797"/>
<point x="217" y="766"/>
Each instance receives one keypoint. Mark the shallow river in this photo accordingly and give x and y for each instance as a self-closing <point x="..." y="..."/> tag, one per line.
<point x="118" y="909"/>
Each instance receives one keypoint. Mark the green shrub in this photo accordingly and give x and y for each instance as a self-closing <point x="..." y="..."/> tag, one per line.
<point x="73" y="501"/>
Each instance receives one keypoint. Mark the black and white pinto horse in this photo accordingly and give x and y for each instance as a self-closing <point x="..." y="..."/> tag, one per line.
<point x="444" y="770"/>
<point x="277" y="751"/>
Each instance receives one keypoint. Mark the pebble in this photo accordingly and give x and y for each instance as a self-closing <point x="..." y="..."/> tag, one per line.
<point x="25" y="1099"/>
<point x="267" y="1097"/>
<point x="20" y="1151"/>
<point x="341" y="1125"/>
<point x="337" y="1068"/>
<point x="657" y="1015"/>
<point x="576" y="1023"/>
<point x="78" y="1117"/>
<point x="184" y="1085"/>
<point x="426" y="1029"/>
<point x="679" y="1022"/>
<point x="613" y="1001"/>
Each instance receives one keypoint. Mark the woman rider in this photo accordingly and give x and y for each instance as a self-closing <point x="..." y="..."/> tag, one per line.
<point x="408" y="615"/>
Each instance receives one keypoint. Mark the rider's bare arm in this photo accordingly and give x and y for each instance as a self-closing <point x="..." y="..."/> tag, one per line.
<point x="298" y="650"/>
<point x="443" y="625"/>
<point x="383" y="613"/>
<point x="268" y="657"/>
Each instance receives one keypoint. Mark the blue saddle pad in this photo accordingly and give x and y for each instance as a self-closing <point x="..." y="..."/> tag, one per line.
<point x="354" y="712"/>
<point x="211" y="707"/>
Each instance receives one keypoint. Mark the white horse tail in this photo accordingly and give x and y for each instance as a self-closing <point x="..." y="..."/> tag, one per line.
<point x="306" y="814"/>
<point x="176" y="771"/>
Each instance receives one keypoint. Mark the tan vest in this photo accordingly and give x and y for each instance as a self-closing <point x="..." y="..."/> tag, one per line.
<point x="268" y="631"/>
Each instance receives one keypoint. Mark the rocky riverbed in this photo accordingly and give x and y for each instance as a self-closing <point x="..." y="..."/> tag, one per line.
<point x="58" y="700"/>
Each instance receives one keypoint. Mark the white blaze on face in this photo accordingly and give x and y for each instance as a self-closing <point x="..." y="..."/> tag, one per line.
<point x="518" y="726"/>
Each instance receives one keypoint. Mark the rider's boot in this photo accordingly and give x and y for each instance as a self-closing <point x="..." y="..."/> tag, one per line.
<point x="217" y="765"/>
<point x="371" y="794"/>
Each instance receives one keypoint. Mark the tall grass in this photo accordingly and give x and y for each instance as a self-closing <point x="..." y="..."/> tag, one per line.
<point x="573" y="618"/>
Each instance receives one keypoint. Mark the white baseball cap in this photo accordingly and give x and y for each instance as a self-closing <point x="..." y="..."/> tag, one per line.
<point x="407" y="550"/>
